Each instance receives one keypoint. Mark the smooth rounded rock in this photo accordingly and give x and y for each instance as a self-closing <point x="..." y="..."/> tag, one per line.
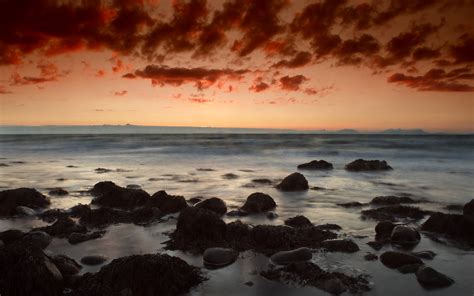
<point x="340" y="245"/>
<point x="394" y="259"/>
<point x="39" y="239"/>
<point x="216" y="257"/>
<point x="25" y="211"/>
<point x="431" y="278"/>
<point x="287" y="257"/>
<point x="66" y="265"/>
<point x="214" y="204"/>
<point x="293" y="182"/>
<point x="258" y="203"/>
<point x="384" y="229"/>
<point x="405" y="235"/>
<point x="93" y="259"/>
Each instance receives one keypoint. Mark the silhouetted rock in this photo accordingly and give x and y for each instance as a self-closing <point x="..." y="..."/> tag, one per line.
<point x="25" y="211"/>
<point x="103" y="217"/>
<point x="394" y="213"/>
<point x="291" y="256"/>
<point x="93" y="259"/>
<point x="150" y="274"/>
<point x="75" y="238"/>
<point x="39" y="239"/>
<point x="293" y="182"/>
<point x="367" y="165"/>
<point x="58" y="192"/>
<point x="454" y="207"/>
<point x="310" y="274"/>
<point x="430" y="278"/>
<point x="194" y="200"/>
<point x="452" y="225"/>
<point x="26" y="270"/>
<point x="340" y="245"/>
<point x="79" y="210"/>
<point x="468" y="211"/>
<point x="391" y="200"/>
<point x="214" y="204"/>
<point x="237" y="213"/>
<point x="271" y="215"/>
<point x="384" y="229"/>
<point x="376" y="245"/>
<point x="63" y="227"/>
<point x="298" y="221"/>
<point x="393" y="259"/>
<point x="230" y="176"/>
<point x="328" y="226"/>
<point x="353" y="204"/>
<point x="27" y="197"/>
<point x="316" y="165"/>
<point x="10" y="236"/>
<point x="218" y="257"/>
<point x="410" y="268"/>
<point x="405" y="235"/>
<point x="371" y="257"/>
<point x="110" y="195"/>
<point x="168" y="203"/>
<point x="67" y="266"/>
<point x="53" y="214"/>
<point x="258" y="202"/>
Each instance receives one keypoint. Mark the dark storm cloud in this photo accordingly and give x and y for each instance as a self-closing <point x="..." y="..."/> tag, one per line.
<point x="301" y="59"/>
<point x="437" y="80"/>
<point x="292" y="83"/>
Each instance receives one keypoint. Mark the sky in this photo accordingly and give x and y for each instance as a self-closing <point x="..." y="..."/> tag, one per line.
<point x="334" y="64"/>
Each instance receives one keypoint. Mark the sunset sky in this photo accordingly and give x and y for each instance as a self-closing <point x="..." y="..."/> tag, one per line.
<point x="296" y="64"/>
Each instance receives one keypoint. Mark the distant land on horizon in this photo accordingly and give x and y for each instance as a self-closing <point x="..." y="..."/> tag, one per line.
<point x="139" y="129"/>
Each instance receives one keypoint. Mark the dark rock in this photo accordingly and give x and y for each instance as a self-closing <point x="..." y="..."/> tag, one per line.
<point x="146" y="215"/>
<point x="298" y="221"/>
<point x="237" y="213"/>
<point x="168" y="203"/>
<point x="198" y="223"/>
<point x="39" y="239"/>
<point x="63" y="227"/>
<point x="271" y="215"/>
<point x="53" y="214"/>
<point x="452" y="225"/>
<point x="391" y="200"/>
<point x="102" y="170"/>
<point x="393" y="259"/>
<point x="367" y="165"/>
<point x="26" y="270"/>
<point x="194" y="200"/>
<point x="316" y="165"/>
<point x="250" y="284"/>
<point x="384" y="229"/>
<point x="27" y="197"/>
<point x="214" y="204"/>
<point x="328" y="226"/>
<point x="425" y="254"/>
<point x="405" y="235"/>
<point x="10" y="236"/>
<point x="376" y="245"/>
<point x="394" y="213"/>
<point x="340" y="245"/>
<point x="230" y="176"/>
<point x="104" y="216"/>
<point x="310" y="274"/>
<point x="75" y="238"/>
<point x="1" y="244"/>
<point x="67" y="266"/>
<point x="93" y="259"/>
<point x="218" y="257"/>
<point x="258" y="202"/>
<point x="410" y="268"/>
<point x="296" y="255"/>
<point x="151" y="274"/>
<point x="293" y="182"/>
<point x="25" y="211"/>
<point x="79" y="210"/>
<point x="430" y="278"/>
<point x="133" y="186"/>
<point x="371" y="257"/>
<point x="454" y="207"/>
<point x="353" y="204"/>
<point x="58" y="192"/>
<point x="468" y="211"/>
<point x="263" y="181"/>
<point x="110" y="195"/>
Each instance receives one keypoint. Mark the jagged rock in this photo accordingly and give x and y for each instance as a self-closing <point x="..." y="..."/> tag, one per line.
<point x="214" y="204"/>
<point x="367" y="165"/>
<point x="110" y="195"/>
<point x="258" y="202"/>
<point x="217" y="257"/>
<point x="296" y="255"/>
<point x="168" y="203"/>
<point x="200" y="224"/>
<point x="316" y="165"/>
<point x="394" y="259"/>
<point x="298" y="221"/>
<point x="27" y="197"/>
<point x="293" y="182"/>
<point x="93" y="259"/>
<point x="341" y="245"/>
<point x="430" y="278"/>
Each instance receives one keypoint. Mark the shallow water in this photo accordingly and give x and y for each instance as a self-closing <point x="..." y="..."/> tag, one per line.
<point x="438" y="169"/>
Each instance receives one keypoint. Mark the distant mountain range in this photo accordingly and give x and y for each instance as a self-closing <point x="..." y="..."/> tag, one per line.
<point x="137" y="129"/>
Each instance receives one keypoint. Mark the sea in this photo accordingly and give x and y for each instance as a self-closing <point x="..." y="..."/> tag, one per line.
<point x="438" y="170"/>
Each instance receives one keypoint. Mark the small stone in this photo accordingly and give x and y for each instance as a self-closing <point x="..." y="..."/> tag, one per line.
<point x="250" y="284"/>
<point x="217" y="257"/>
<point x="93" y="259"/>
<point x="367" y="165"/>
<point x="230" y="176"/>
<point x="287" y="257"/>
<point x="430" y="278"/>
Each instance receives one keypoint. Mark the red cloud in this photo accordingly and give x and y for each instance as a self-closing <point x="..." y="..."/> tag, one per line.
<point x="199" y="100"/>
<point x="120" y="93"/>
<point x="48" y="72"/>
<point x="301" y="59"/>
<point x="292" y="83"/>
<point x="463" y="52"/>
<point x="100" y="73"/>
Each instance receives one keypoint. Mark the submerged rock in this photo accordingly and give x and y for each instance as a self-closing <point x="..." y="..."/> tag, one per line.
<point x="391" y="200"/>
<point x="258" y="202"/>
<point x="75" y="238"/>
<point x="150" y="274"/>
<point x="430" y="278"/>
<point x="293" y="182"/>
<point x="67" y="266"/>
<point x="410" y="268"/>
<point x="263" y="181"/>
<point x="58" y="192"/>
<point x="341" y="245"/>
<point x="394" y="259"/>
<point x="214" y="204"/>
<point x="405" y="235"/>
<point x="26" y="197"/>
<point x="93" y="259"/>
<point x="298" y="221"/>
<point x="26" y="270"/>
<point x="353" y="204"/>
<point x="296" y="255"/>
<point x="230" y="176"/>
<point x="217" y="257"/>
<point x="367" y="165"/>
<point x="316" y="165"/>
<point x="39" y="239"/>
<point x="394" y="213"/>
<point x="110" y="195"/>
<point x="168" y="203"/>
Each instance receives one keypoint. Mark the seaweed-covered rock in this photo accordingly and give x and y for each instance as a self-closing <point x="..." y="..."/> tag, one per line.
<point x="75" y="237"/>
<point x="63" y="227"/>
<point x="391" y="200"/>
<point x="27" y="197"/>
<point x="258" y="202"/>
<point x="316" y="165"/>
<point x="26" y="270"/>
<point x="394" y="259"/>
<point x="168" y="203"/>
<point x="141" y="275"/>
<point x="291" y="256"/>
<point x="394" y="213"/>
<point x="298" y="221"/>
<point x="431" y="278"/>
<point x="341" y="245"/>
<point x="218" y="257"/>
<point x="310" y="274"/>
<point x="367" y="165"/>
<point x="110" y="195"/>
<point x="468" y="211"/>
<point x="405" y="235"/>
<point x="293" y="182"/>
<point x="452" y="225"/>
<point x="214" y="204"/>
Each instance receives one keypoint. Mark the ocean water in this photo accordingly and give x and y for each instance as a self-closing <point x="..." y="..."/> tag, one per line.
<point x="438" y="169"/>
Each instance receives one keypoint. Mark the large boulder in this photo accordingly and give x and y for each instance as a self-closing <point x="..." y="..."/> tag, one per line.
<point x="293" y="182"/>
<point x="151" y="274"/>
<point x="394" y="259"/>
<point x="452" y="225"/>
<point x="258" y="202"/>
<point x="214" y="204"/>
<point x="110" y="195"/>
<point x="26" y="270"/>
<point x="431" y="278"/>
<point x="391" y="200"/>
<point x="405" y="235"/>
<point x="384" y="229"/>
<point x="367" y="165"/>
<point x="200" y="224"/>
<point x="67" y="266"/>
<point x="296" y="255"/>
<point x="27" y="197"/>
<point x="218" y="257"/>
<point x="468" y="211"/>
<point x="298" y="221"/>
<point x="168" y="203"/>
<point x="316" y="165"/>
